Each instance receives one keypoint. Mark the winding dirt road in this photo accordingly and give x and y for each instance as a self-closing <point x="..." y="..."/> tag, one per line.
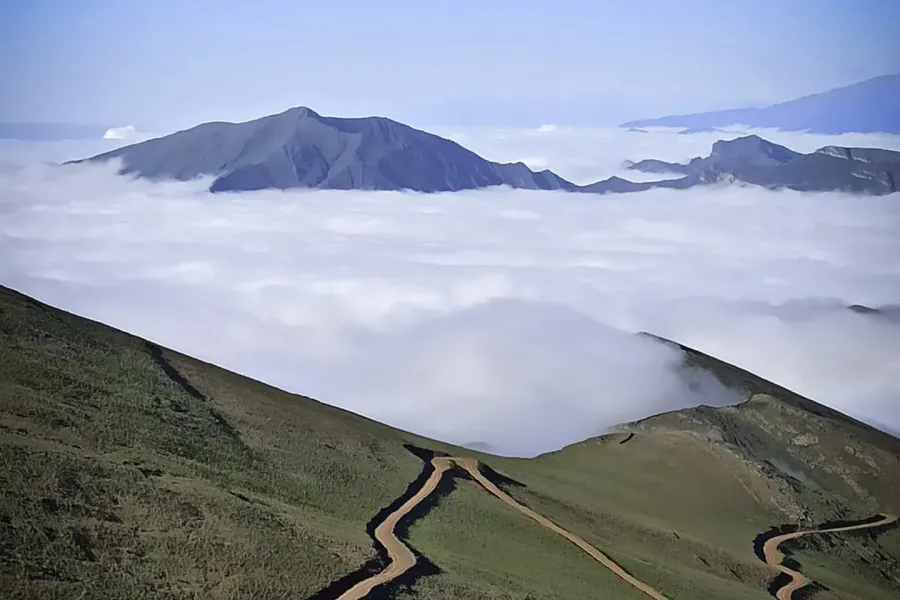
<point x="774" y="556"/>
<point x="402" y="559"/>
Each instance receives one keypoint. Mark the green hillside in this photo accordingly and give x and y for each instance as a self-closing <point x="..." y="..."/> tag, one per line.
<point x="131" y="471"/>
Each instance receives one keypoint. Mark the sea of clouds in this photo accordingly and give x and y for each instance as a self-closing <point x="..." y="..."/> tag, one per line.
<point x="496" y="316"/>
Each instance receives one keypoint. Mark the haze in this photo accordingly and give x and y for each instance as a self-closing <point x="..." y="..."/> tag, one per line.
<point x="166" y="65"/>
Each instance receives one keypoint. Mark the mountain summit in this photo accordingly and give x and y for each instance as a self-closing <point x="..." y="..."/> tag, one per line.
<point x="750" y="150"/>
<point x="300" y="148"/>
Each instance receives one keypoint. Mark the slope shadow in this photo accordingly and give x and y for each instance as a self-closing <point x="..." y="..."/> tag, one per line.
<point x="171" y="372"/>
<point x="156" y="353"/>
<point x="501" y="481"/>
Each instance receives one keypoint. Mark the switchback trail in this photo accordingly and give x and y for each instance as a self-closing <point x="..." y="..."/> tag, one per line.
<point x="774" y="557"/>
<point x="402" y="558"/>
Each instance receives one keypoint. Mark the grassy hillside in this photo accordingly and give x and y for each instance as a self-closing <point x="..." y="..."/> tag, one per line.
<point x="131" y="471"/>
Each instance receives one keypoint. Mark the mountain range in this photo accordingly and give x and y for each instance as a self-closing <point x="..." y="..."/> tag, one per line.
<point x="753" y="160"/>
<point x="301" y="149"/>
<point x="866" y="107"/>
<point x="134" y="471"/>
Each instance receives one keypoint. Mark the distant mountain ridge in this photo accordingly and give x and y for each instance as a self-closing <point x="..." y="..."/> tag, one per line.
<point x="299" y="148"/>
<point x="751" y="159"/>
<point x="743" y="151"/>
<point x="866" y="107"/>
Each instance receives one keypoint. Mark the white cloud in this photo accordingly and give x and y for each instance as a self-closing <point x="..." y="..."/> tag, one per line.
<point x="127" y="133"/>
<point x="496" y="316"/>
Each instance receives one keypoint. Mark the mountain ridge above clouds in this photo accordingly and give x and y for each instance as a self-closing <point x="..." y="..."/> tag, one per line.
<point x="299" y="148"/>
<point x="754" y="160"/>
<point x="869" y="106"/>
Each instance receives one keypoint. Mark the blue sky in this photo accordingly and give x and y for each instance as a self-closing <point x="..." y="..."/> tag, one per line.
<point x="167" y="64"/>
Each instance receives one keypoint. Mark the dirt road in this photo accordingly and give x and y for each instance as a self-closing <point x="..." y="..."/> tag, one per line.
<point x="402" y="559"/>
<point x="471" y="465"/>
<point x="774" y="556"/>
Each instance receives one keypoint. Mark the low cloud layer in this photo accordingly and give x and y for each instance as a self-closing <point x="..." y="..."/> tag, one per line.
<point x="495" y="316"/>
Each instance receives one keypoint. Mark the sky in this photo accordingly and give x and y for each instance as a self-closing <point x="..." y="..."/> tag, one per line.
<point x="170" y="64"/>
<point x="510" y="312"/>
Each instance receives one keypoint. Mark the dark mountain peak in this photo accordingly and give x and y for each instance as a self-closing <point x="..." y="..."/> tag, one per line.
<point x="725" y="155"/>
<point x="615" y="179"/>
<point x="296" y="114"/>
<point x="652" y="165"/>
<point x="301" y="111"/>
<point x="751" y="149"/>
<point x="298" y="148"/>
<point x="615" y="185"/>
<point x="744" y="141"/>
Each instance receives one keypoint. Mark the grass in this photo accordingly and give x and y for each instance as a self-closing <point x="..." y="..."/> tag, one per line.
<point x="109" y="463"/>
<point x="131" y="472"/>
<point x="478" y="541"/>
<point x="865" y="581"/>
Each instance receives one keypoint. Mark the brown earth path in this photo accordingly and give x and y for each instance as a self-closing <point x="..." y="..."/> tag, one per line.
<point x="774" y="556"/>
<point x="402" y="559"/>
<point x="471" y="465"/>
